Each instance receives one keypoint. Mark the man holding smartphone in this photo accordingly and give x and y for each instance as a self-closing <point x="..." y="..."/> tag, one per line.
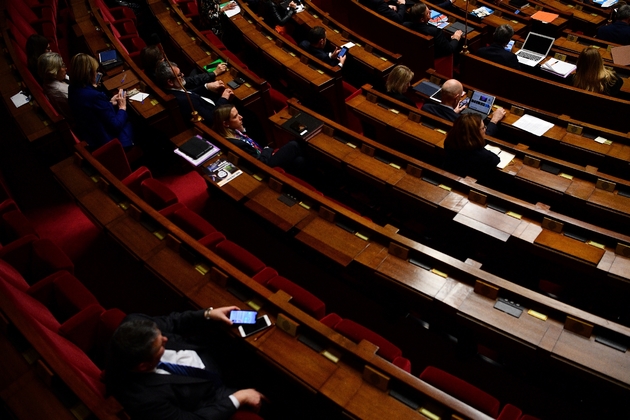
<point x="315" y="44"/>
<point x="160" y="368"/>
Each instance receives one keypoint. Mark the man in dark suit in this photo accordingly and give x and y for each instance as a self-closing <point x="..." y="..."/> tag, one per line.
<point x="419" y="16"/>
<point x="496" y="52"/>
<point x="394" y="12"/>
<point x="204" y="98"/>
<point x="315" y="44"/>
<point x="618" y="31"/>
<point x="450" y="109"/>
<point x="149" y="389"/>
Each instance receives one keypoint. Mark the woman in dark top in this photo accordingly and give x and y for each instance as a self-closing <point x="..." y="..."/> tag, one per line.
<point x="398" y="83"/>
<point x="228" y="123"/>
<point x="279" y="12"/>
<point x="464" y="148"/>
<point x="210" y="14"/>
<point x="591" y="74"/>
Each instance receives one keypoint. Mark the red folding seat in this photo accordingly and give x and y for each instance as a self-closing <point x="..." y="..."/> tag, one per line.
<point x="387" y="350"/>
<point x="17" y="301"/>
<point x="301" y="297"/>
<point x="191" y="223"/>
<point x="278" y="100"/>
<point x="210" y="241"/>
<point x="36" y="258"/>
<point x="19" y="11"/>
<point x="119" y="13"/>
<point x="112" y="155"/>
<point x="157" y="194"/>
<point x="19" y="38"/>
<point x="510" y="412"/>
<point x="14" y="226"/>
<point x="239" y="257"/>
<point x="461" y="390"/>
<point x="214" y="40"/>
<point x="12" y="277"/>
<point x="125" y="26"/>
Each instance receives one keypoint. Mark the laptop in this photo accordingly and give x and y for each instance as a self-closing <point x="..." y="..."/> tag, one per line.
<point x="535" y="49"/>
<point x="480" y="103"/>
<point x="109" y="59"/>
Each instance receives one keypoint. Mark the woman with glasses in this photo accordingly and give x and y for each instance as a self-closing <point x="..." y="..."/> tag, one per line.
<point x="464" y="148"/>
<point x="52" y="72"/>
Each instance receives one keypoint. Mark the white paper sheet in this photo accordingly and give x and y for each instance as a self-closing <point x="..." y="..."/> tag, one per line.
<point x="533" y="125"/>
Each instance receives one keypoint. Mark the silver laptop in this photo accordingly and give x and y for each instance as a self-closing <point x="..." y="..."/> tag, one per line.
<point x="535" y="49"/>
<point x="480" y="103"/>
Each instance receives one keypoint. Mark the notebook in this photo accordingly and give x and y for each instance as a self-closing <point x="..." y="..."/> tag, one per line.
<point x="195" y="147"/>
<point x="535" y="49"/>
<point x="480" y="103"/>
<point x="458" y="26"/>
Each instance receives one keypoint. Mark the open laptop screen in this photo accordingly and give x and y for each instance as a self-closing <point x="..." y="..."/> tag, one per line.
<point x="538" y="43"/>
<point x="106" y="56"/>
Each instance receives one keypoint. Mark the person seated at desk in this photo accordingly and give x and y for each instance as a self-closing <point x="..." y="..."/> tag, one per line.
<point x="418" y="20"/>
<point x="315" y="44"/>
<point x="393" y="12"/>
<point x="162" y="368"/>
<point x="398" y="82"/>
<point x="36" y="45"/>
<point x="618" y="31"/>
<point x="52" y="72"/>
<point x="450" y="109"/>
<point x="151" y="56"/>
<point x="464" y="148"/>
<point x="98" y="118"/>
<point x="278" y="12"/>
<point x="228" y="123"/>
<point x="591" y="74"/>
<point x="496" y="51"/>
<point x="203" y="98"/>
<point x="211" y="14"/>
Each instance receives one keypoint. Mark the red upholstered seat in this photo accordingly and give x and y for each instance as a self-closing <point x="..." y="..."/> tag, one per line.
<point x="26" y="305"/>
<point x="14" y="226"/>
<point x="461" y="390"/>
<point x="331" y="320"/>
<point x="214" y="40"/>
<point x="510" y="412"/>
<point x="157" y="194"/>
<point x="211" y="240"/>
<point x="301" y="297"/>
<point x="118" y="12"/>
<point x="12" y="277"/>
<point x="36" y="258"/>
<point x="357" y="332"/>
<point x="444" y="66"/>
<point x="239" y="257"/>
<point x="191" y="223"/>
<point x="63" y="294"/>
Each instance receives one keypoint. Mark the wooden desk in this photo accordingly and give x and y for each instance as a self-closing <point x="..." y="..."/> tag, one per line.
<point x="373" y="60"/>
<point x="494" y="20"/>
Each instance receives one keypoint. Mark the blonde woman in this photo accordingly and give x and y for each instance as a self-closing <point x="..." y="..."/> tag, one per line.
<point x="398" y="83"/>
<point x="52" y="72"/>
<point x="592" y="76"/>
<point x="99" y="119"/>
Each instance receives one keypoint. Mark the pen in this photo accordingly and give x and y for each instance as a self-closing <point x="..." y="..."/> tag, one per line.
<point x="123" y="78"/>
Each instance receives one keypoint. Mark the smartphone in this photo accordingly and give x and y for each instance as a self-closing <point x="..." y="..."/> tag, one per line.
<point x="99" y="76"/>
<point x="464" y="102"/>
<point x="234" y="84"/>
<point x="249" y="329"/>
<point x="124" y="93"/>
<point x="343" y="52"/>
<point x="243" y="317"/>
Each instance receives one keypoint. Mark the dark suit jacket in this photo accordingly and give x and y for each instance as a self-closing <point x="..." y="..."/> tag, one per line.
<point x="617" y="32"/>
<point x="169" y="397"/>
<point x="204" y="108"/>
<point x="479" y="163"/>
<point x="443" y="44"/>
<point x="498" y="54"/>
<point x="277" y="14"/>
<point x="402" y="98"/>
<point x="318" y="53"/>
<point x="251" y="150"/>
<point x="450" y="115"/>
<point x="382" y="8"/>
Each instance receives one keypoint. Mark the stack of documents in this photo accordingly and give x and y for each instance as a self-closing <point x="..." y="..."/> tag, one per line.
<point x="561" y="68"/>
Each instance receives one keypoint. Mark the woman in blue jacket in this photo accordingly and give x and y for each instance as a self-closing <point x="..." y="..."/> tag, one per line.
<point x="99" y="119"/>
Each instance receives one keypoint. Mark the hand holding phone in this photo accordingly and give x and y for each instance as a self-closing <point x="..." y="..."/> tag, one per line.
<point x="248" y="329"/>
<point x="343" y="52"/>
<point x="243" y="317"/>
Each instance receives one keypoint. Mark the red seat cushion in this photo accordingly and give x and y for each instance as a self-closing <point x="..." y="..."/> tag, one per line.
<point x="157" y="194"/>
<point x="301" y="297"/>
<point x="357" y="332"/>
<point x="191" y="223"/>
<point x="239" y="257"/>
<point x="461" y="390"/>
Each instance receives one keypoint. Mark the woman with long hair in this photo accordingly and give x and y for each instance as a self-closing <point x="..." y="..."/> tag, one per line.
<point x="99" y="119"/>
<point x="228" y="123"/>
<point x="464" y="148"/>
<point x="398" y="82"/>
<point x="591" y="74"/>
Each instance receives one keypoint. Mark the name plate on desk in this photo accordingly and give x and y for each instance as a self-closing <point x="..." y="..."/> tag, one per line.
<point x="287" y="325"/>
<point x="552" y="225"/>
<point x="623" y="249"/>
<point x="602" y="184"/>
<point x="398" y="251"/>
<point x="578" y="326"/>
<point x="477" y="197"/>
